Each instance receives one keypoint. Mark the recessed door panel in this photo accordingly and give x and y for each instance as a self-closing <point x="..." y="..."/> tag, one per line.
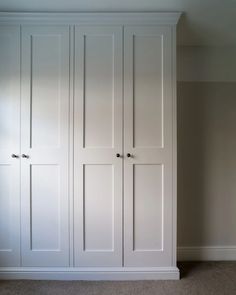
<point x="5" y="207"/>
<point x="148" y="207"/>
<point x="97" y="140"/>
<point x="9" y="145"/>
<point x="45" y="207"/>
<point x="98" y="208"/>
<point x="148" y="90"/>
<point x="45" y="78"/>
<point x="44" y="145"/>
<point x="148" y="139"/>
<point x="98" y="90"/>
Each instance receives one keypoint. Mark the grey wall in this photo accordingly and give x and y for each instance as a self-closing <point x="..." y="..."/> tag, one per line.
<point x="206" y="94"/>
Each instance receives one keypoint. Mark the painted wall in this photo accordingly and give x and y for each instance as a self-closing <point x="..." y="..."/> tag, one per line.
<point x="206" y="152"/>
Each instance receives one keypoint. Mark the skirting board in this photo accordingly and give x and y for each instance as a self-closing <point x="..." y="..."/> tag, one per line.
<point x="213" y="253"/>
<point x="95" y="274"/>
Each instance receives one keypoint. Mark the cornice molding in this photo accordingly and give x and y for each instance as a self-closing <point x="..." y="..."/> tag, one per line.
<point x="70" y="18"/>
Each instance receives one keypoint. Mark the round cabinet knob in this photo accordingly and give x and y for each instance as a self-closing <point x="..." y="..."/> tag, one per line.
<point x="128" y="155"/>
<point x="118" y="155"/>
<point x="25" y="156"/>
<point x="14" y="156"/>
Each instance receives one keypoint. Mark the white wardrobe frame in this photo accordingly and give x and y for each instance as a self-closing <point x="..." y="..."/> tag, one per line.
<point x="99" y="273"/>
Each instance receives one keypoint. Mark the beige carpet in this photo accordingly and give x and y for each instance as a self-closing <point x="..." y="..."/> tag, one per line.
<point x="205" y="278"/>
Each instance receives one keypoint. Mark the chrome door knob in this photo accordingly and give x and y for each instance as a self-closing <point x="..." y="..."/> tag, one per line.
<point x="14" y="156"/>
<point x="25" y="156"/>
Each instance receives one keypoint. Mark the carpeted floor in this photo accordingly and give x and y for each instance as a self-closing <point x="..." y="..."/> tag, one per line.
<point x="198" y="278"/>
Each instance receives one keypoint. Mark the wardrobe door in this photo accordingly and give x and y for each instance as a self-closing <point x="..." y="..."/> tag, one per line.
<point x="148" y="140"/>
<point x="44" y="145"/>
<point x="98" y="140"/>
<point x="9" y="146"/>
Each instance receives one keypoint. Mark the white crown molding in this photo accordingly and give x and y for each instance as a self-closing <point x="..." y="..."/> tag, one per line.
<point x="99" y="273"/>
<point x="211" y="253"/>
<point x="116" y="18"/>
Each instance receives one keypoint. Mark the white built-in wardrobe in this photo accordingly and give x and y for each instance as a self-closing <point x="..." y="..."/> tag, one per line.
<point x="88" y="146"/>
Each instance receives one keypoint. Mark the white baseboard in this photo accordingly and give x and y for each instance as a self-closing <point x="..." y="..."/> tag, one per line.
<point x="95" y="274"/>
<point x="213" y="253"/>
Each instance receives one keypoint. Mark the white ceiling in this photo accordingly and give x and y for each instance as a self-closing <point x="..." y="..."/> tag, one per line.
<point x="204" y="22"/>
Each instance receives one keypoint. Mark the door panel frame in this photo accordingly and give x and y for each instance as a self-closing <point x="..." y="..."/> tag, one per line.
<point x="11" y="257"/>
<point x="97" y="155"/>
<point x="58" y="155"/>
<point x="162" y="155"/>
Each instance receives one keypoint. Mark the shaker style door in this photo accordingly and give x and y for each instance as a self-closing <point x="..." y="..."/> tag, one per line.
<point x="98" y="146"/>
<point x="9" y="146"/>
<point x="44" y="145"/>
<point x="147" y="146"/>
